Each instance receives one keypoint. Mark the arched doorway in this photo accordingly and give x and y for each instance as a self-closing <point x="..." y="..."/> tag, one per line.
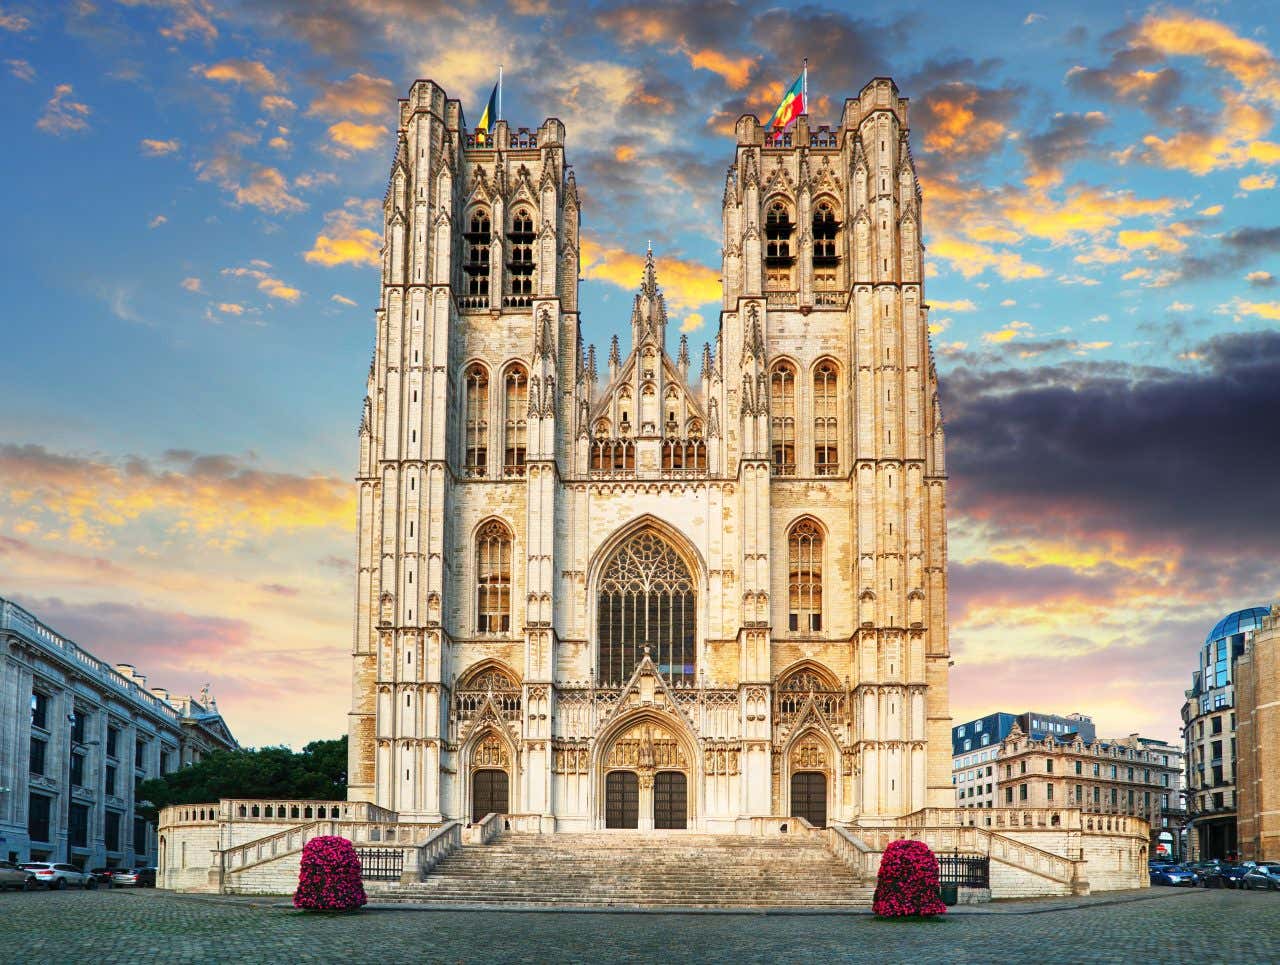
<point x="622" y="800"/>
<point x="809" y="797"/>
<point x="490" y="792"/>
<point x="670" y="801"/>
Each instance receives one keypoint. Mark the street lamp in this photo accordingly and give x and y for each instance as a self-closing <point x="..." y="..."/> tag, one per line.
<point x="74" y="744"/>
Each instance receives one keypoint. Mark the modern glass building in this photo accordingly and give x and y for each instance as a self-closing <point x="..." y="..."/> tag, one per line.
<point x="1209" y="732"/>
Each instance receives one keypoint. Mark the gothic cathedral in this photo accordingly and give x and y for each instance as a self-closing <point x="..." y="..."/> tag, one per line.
<point x="621" y="596"/>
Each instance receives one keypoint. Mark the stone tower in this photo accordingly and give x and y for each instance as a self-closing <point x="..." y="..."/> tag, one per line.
<point x="641" y="600"/>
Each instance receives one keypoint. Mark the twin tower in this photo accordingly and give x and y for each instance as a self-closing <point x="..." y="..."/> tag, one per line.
<point x="619" y="595"/>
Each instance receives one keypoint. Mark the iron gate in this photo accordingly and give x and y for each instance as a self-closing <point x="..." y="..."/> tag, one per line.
<point x="964" y="870"/>
<point x="380" y="864"/>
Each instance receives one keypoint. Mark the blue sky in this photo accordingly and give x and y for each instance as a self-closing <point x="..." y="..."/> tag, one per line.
<point x="191" y="186"/>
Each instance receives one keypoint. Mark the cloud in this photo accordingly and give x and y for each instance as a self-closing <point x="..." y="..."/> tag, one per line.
<point x="1068" y="138"/>
<point x="358" y="137"/>
<point x="1032" y="18"/>
<point x="1168" y="240"/>
<point x="152" y="147"/>
<point x="1257" y="182"/>
<point x="62" y="115"/>
<point x="735" y="71"/>
<point x="1270" y="311"/>
<point x="1237" y="249"/>
<point x="1260" y="279"/>
<point x="192" y="284"/>
<point x="250" y="74"/>
<point x="346" y="238"/>
<point x="963" y="120"/>
<point x="276" y="104"/>
<point x="21" y="69"/>
<point x="1212" y="211"/>
<point x="157" y="221"/>
<point x="13" y="22"/>
<point x="187" y="18"/>
<point x="687" y="285"/>
<point x="1025" y="447"/>
<point x="360" y="94"/>
<point x="230" y="308"/>
<point x="259" y="185"/>
<point x="274" y="287"/>
<point x="209" y="500"/>
<point x="1011" y="331"/>
<point x="692" y="322"/>
<point x="970" y="259"/>
<point x="342" y="300"/>
<point x="960" y="305"/>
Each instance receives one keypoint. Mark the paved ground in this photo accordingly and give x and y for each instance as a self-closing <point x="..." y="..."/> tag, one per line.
<point x="1171" y="925"/>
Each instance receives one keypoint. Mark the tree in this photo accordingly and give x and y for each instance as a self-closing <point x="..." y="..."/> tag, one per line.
<point x="318" y="773"/>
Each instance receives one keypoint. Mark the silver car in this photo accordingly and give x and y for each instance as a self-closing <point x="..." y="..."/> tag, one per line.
<point x="1265" y="875"/>
<point x="11" y="876"/>
<point x="55" y="877"/>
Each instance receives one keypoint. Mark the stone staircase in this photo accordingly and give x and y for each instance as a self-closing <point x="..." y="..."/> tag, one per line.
<point x="632" y="869"/>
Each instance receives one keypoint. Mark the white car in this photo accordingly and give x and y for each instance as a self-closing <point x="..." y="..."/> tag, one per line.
<point x="55" y="877"/>
<point x="11" y="876"/>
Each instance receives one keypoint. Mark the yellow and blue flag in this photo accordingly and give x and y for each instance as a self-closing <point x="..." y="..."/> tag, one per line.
<point x="490" y="115"/>
<point x="794" y="103"/>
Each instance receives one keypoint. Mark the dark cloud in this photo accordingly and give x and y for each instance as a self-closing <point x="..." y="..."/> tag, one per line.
<point x="1238" y="249"/>
<point x="989" y="583"/>
<point x="1068" y="138"/>
<point x="1163" y="457"/>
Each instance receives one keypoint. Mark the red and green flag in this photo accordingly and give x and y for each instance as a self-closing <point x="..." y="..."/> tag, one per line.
<point x="794" y="103"/>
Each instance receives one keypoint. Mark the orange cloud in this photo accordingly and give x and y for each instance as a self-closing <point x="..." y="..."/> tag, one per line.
<point x="358" y="137"/>
<point x="267" y="189"/>
<point x="735" y="71"/>
<point x="1168" y="240"/>
<point x="358" y="94"/>
<point x="1178" y="33"/>
<point x="956" y="127"/>
<point x="345" y="238"/>
<point x="152" y="147"/>
<point x="252" y="74"/>
<point x="1257" y="182"/>
<point x="970" y="259"/>
<point x="687" y="284"/>
<point x="274" y="287"/>
<point x="62" y="115"/>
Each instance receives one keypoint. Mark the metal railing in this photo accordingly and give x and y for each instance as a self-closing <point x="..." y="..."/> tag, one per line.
<point x="381" y="864"/>
<point x="964" y="870"/>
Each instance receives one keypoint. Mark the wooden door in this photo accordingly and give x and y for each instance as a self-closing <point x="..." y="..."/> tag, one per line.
<point x="622" y="799"/>
<point x="670" y="800"/>
<point x="809" y="797"/>
<point x="489" y="793"/>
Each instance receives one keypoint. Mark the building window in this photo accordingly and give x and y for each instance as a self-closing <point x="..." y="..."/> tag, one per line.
<point x="111" y="780"/>
<point x="825" y="227"/>
<point x="112" y="830"/>
<point x="1008" y="795"/>
<point x="39" y="711"/>
<point x="804" y="577"/>
<point x="77" y="770"/>
<point x="522" y="265"/>
<point x="778" y="258"/>
<point x="516" y="402"/>
<point x="610" y="455"/>
<point x="38" y="809"/>
<point x="1115" y="796"/>
<point x="78" y="825"/>
<point x="1079" y="794"/>
<point x="1022" y="767"/>
<point x="646" y="603"/>
<point x="826" y="456"/>
<point x="1022" y="792"/>
<point x="139" y="836"/>
<point x="688" y="454"/>
<point x="113" y="742"/>
<point x="782" y="429"/>
<point x="140" y="754"/>
<point x="38" y="748"/>
<point x="1079" y="767"/>
<point x="493" y="578"/>
<point x="1048" y="767"/>
<point x="1048" y="792"/>
<point x="476" y="262"/>
<point x="477" y="461"/>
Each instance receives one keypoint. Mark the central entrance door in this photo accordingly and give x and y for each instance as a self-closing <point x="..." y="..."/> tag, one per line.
<point x="489" y="793"/>
<point x="670" y="801"/>
<point x="809" y="797"/>
<point x="622" y="799"/>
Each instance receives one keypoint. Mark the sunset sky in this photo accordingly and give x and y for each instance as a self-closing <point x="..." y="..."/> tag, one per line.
<point x="191" y="192"/>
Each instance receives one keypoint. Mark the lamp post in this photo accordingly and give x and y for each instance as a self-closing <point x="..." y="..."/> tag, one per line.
<point x="73" y="744"/>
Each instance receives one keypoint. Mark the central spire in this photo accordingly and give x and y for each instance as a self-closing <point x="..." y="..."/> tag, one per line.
<point x="649" y="315"/>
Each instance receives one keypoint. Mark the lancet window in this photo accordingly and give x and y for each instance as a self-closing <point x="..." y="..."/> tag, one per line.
<point x="489" y="683"/>
<point x="804" y="577"/>
<point x="493" y="578"/>
<point x="687" y="454"/>
<point x="782" y="413"/>
<point x="825" y="227"/>
<point x="475" y="264"/>
<point x="477" y="421"/>
<point x="612" y="454"/>
<point x="826" y="425"/>
<point x="516" y="404"/>
<point x="646" y="603"/>
<point x="778" y="256"/>
<point x="522" y="265"/>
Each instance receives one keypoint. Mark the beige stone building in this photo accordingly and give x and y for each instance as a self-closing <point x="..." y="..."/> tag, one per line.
<point x="1257" y="675"/>
<point x="1137" y="776"/>
<point x="641" y="596"/>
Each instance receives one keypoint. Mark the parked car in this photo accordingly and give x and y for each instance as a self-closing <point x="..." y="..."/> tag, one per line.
<point x="102" y="875"/>
<point x="1228" y="876"/>
<point x="1264" y="876"/>
<point x="1172" y="874"/>
<point x="11" y="876"/>
<point x="55" y="877"/>
<point x="134" y="878"/>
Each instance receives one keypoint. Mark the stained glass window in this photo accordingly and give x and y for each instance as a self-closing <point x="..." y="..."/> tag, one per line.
<point x="646" y="600"/>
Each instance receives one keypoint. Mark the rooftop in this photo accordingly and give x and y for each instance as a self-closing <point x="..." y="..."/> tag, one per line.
<point x="1249" y="618"/>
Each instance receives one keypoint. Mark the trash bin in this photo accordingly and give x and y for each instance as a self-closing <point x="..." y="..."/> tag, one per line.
<point x="950" y="893"/>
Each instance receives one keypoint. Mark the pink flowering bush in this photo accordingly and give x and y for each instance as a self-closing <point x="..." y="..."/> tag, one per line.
<point x="908" y="881"/>
<point x="329" y="879"/>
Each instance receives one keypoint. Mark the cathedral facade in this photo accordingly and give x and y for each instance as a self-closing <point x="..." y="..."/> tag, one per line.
<point x="649" y="592"/>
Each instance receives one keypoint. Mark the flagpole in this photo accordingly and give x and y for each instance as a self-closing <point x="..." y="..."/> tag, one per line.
<point x="499" y="92"/>
<point x="806" y="86"/>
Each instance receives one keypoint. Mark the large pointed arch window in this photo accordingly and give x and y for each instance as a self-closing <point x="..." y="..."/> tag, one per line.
<point x="646" y="601"/>
<point x="516" y="403"/>
<point x="826" y="425"/>
<point x="782" y="417"/>
<point x="477" y="421"/>
<point x="778" y="255"/>
<point x="804" y="577"/>
<point x="493" y="578"/>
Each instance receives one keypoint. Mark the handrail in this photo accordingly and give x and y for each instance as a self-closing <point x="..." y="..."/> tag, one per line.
<point x="438" y="846"/>
<point x="484" y="830"/>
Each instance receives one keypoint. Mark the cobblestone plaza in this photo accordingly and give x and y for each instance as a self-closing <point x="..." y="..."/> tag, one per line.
<point x="1164" y="925"/>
